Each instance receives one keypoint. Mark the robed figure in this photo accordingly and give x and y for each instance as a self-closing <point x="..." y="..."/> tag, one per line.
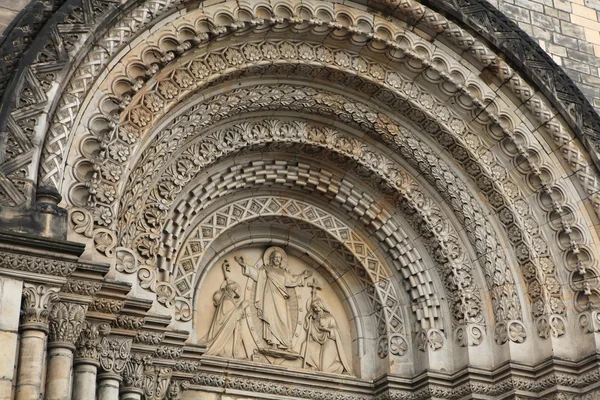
<point x="323" y="348"/>
<point x="225" y="336"/>
<point x="272" y="298"/>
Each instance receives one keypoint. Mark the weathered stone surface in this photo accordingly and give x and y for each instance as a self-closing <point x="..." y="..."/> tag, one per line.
<point x="304" y="199"/>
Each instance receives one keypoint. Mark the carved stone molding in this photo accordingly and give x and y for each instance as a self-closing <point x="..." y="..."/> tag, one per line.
<point x="186" y="366"/>
<point x="147" y="337"/>
<point x="66" y="322"/>
<point x="128" y="322"/>
<point x="107" y="306"/>
<point x="82" y="287"/>
<point x="40" y="265"/>
<point x="559" y="380"/>
<point x="37" y="304"/>
<point x="273" y="388"/>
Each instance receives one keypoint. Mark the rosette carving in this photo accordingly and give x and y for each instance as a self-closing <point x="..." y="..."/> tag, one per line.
<point x="511" y="330"/>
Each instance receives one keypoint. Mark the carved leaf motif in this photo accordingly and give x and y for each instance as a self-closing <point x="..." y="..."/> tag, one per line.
<point x="114" y="354"/>
<point x="66" y="322"/>
<point x="82" y="221"/>
<point x="37" y="302"/>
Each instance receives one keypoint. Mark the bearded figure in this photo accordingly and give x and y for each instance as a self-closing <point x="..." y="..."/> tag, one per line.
<point x="272" y="298"/>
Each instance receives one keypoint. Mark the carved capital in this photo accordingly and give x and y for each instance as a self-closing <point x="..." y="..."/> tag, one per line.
<point x="37" y="303"/>
<point x="175" y="390"/>
<point x="88" y="343"/>
<point x="156" y="382"/>
<point x="133" y="374"/>
<point x="66" y="322"/>
<point x="114" y="354"/>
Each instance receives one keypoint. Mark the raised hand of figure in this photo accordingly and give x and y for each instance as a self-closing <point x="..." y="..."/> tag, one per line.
<point x="240" y="260"/>
<point x="308" y="273"/>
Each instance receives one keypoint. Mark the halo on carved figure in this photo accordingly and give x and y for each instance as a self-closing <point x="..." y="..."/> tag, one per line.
<point x="275" y="249"/>
<point x="235" y="328"/>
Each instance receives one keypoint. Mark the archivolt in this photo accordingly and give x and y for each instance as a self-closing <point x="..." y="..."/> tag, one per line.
<point x="415" y="62"/>
<point x="151" y="161"/>
<point x="532" y="254"/>
<point x="201" y="152"/>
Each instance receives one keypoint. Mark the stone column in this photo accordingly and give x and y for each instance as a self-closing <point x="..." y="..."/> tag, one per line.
<point x="37" y="300"/>
<point x="114" y="355"/>
<point x="86" y="360"/>
<point x="66" y="321"/>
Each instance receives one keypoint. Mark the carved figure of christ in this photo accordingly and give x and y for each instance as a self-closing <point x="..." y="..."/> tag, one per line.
<point x="272" y="298"/>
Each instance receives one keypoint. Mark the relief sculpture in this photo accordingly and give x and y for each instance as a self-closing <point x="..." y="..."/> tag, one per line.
<point x="265" y="324"/>
<point x="225" y="337"/>
<point x="322" y="348"/>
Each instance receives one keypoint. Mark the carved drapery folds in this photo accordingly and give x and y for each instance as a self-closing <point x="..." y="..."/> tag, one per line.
<point x="66" y="322"/>
<point x="37" y="304"/>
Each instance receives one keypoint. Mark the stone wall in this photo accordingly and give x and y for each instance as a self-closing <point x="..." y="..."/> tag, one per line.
<point x="569" y="30"/>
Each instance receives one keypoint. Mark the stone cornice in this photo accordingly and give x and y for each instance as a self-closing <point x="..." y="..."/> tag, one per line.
<point x="550" y="376"/>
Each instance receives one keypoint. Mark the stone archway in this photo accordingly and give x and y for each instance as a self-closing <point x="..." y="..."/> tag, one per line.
<point x="457" y="195"/>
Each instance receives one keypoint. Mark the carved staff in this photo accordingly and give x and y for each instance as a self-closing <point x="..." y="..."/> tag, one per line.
<point x="314" y="287"/>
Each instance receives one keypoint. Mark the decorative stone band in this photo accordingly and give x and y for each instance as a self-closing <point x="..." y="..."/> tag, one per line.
<point x="40" y="265"/>
<point x="560" y="379"/>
